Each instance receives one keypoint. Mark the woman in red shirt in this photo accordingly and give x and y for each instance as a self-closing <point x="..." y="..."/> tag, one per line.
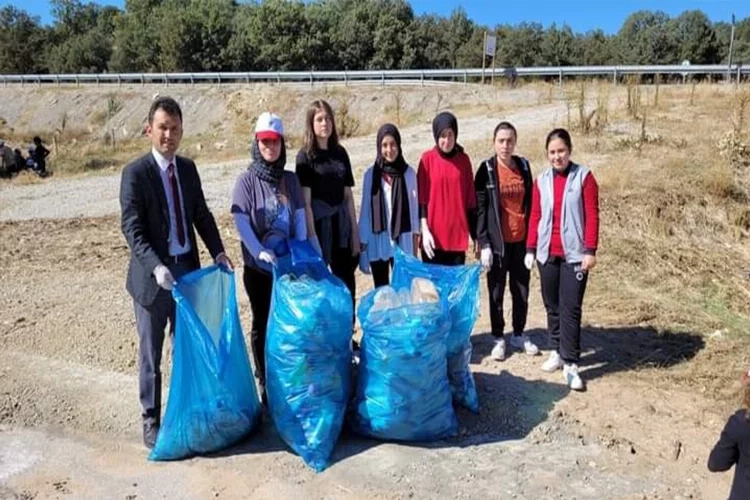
<point x="447" y="200"/>
<point x="563" y="239"/>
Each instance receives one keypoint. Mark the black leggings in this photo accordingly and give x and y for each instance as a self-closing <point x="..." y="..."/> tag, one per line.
<point x="510" y="265"/>
<point x="258" y="285"/>
<point x="343" y="266"/>
<point x="381" y="272"/>
<point x="563" y="286"/>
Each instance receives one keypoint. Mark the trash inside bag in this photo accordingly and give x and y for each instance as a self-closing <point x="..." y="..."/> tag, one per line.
<point x="459" y="286"/>
<point x="212" y="400"/>
<point x="308" y="354"/>
<point x="402" y="387"/>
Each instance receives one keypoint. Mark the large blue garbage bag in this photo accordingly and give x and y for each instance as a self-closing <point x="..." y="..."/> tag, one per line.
<point x="402" y="387"/>
<point x="308" y="354"/>
<point x="459" y="286"/>
<point x="212" y="401"/>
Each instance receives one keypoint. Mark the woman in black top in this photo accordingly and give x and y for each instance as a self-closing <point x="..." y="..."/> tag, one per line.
<point x="733" y="447"/>
<point x="325" y="173"/>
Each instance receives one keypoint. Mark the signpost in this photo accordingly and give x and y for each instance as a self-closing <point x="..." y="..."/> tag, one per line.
<point x="489" y="49"/>
<point x="731" y="48"/>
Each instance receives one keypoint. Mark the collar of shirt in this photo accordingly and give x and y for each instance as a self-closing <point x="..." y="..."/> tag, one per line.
<point x="161" y="161"/>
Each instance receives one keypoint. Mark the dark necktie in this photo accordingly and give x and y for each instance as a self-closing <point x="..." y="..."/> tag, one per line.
<point x="177" y="205"/>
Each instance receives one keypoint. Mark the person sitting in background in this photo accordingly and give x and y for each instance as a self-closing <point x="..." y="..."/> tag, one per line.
<point x="7" y="160"/>
<point x="19" y="160"/>
<point x="733" y="447"/>
<point x="30" y="162"/>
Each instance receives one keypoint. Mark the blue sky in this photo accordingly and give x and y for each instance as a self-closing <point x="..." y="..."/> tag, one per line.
<point x="581" y="15"/>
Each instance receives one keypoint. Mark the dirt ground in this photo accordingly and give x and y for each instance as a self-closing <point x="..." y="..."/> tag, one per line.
<point x="69" y="412"/>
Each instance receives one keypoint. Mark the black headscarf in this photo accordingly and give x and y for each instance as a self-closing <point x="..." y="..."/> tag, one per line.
<point x="400" y="214"/>
<point x="441" y="122"/>
<point x="269" y="172"/>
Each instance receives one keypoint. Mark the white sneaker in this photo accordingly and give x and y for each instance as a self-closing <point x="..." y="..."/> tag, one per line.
<point x="571" y="376"/>
<point x="554" y="362"/>
<point x="498" y="352"/>
<point x="524" y="343"/>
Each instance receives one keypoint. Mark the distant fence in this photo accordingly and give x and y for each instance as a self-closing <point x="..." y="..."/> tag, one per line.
<point x="390" y="77"/>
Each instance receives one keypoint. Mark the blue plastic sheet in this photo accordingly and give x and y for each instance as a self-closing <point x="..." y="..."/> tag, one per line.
<point x="459" y="286"/>
<point x="308" y="354"/>
<point x="402" y="387"/>
<point x="212" y="401"/>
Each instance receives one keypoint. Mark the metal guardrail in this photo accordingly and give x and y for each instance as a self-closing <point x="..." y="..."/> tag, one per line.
<point x="382" y="77"/>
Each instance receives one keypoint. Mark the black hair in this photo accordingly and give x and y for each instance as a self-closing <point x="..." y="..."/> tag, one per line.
<point x="563" y="135"/>
<point x="167" y="104"/>
<point x="505" y="126"/>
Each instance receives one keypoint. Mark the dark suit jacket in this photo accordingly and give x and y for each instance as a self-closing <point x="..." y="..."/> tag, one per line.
<point x="733" y="448"/>
<point x="145" y="221"/>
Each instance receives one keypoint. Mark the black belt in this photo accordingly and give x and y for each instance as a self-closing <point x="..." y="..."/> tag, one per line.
<point x="181" y="258"/>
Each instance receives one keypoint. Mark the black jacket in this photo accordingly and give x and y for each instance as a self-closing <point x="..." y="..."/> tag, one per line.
<point x="489" y="229"/>
<point x="145" y="221"/>
<point x="733" y="448"/>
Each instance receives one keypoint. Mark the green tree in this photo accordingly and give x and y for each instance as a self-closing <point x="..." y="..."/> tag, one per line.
<point x="742" y="42"/>
<point x="595" y="49"/>
<point x="194" y="35"/>
<point x="136" y="46"/>
<point x="558" y="46"/>
<point x="394" y="18"/>
<point x="82" y="37"/>
<point x="21" y="42"/>
<point x="645" y="38"/>
<point x="425" y="44"/>
<point x="695" y="38"/>
<point x="459" y="30"/>
<point x="520" y="46"/>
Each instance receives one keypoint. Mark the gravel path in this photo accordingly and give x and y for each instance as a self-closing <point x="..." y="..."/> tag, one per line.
<point x="97" y="195"/>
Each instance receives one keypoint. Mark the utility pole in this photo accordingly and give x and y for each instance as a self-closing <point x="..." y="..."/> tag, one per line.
<point x="731" y="49"/>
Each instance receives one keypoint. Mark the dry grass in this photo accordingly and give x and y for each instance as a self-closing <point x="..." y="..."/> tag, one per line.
<point x="675" y="218"/>
<point x="675" y="224"/>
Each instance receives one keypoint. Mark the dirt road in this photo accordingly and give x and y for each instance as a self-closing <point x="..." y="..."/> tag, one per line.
<point x="69" y="416"/>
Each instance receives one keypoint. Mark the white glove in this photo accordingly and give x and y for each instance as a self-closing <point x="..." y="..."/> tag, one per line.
<point x="316" y="245"/>
<point x="163" y="277"/>
<point x="528" y="261"/>
<point x="268" y="257"/>
<point x="428" y="242"/>
<point x="364" y="262"/>
<point x="486" y="258"/>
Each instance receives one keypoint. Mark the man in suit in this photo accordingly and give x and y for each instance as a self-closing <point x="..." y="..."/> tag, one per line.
<point x="162" y="200"/>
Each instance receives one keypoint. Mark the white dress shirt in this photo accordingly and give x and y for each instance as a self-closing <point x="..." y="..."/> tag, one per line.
<point x="174" y="244"/>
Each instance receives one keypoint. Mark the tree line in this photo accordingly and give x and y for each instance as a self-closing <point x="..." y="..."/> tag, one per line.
<point x="286" y="35"/>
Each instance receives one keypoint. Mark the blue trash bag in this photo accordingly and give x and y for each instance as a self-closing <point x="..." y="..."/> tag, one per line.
<point x="308" y="354"/>
<point x="459" y="286"/>
<point x="402" y="387"/>
<point x="212" y="401"/>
